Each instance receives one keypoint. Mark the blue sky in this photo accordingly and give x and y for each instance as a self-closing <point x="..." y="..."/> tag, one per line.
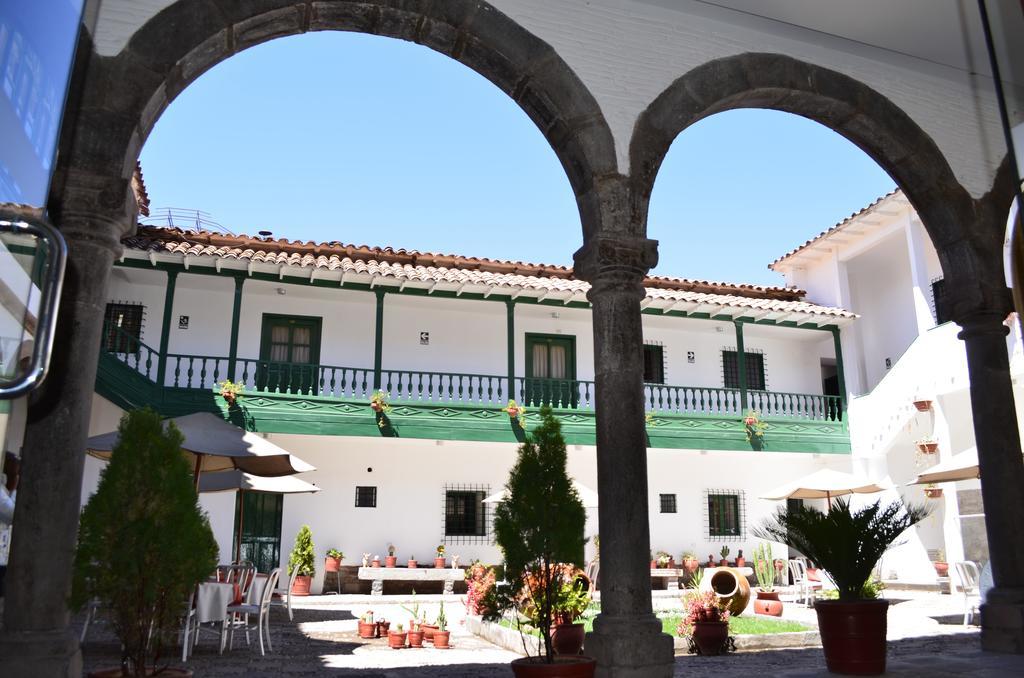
<point x="368" y="140"/>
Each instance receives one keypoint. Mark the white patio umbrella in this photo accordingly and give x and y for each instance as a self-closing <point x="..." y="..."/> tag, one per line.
<point x="241" y="482"/>
<point x="587" y="496"/>
<point x="963" y="466"/>
<point x="213" y="444"/>
<point x="824" y="484"/>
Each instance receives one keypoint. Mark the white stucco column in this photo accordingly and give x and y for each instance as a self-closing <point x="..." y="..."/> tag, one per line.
<point x="916" y="243"/>
<point x="855" y="371"/>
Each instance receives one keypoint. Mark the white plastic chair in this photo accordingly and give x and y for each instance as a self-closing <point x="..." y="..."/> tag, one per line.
<point x="967" y="571"/>
<point x="259" y="608"/>
<point x="805" y="588"/>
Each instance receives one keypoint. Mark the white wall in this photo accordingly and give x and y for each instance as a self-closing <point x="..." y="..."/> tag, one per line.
<point x="145" y="287"/>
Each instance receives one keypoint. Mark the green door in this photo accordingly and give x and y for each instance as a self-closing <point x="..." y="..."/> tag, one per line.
<point x="551" y="370"/>
<point x="260" y="517"/>
<point x="289" y="354"/>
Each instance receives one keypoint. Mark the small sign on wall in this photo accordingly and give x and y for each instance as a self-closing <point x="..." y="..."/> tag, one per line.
<point x="690" y="357"/>
<point x="424" y="338"/>
<point x="182" y="322"/>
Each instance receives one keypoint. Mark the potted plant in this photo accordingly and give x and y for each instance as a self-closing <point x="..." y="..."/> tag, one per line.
<point x="567" y="633"/>
<point x="367" y="627"/>
<point x="933" y="491"/>
<point x="302" y="559"/>
<point x="705" y="624"/>
<point x="333" y="561"/>
<point x="412" y="564"/>
<point x="415" y="634"/>
<point x="439" y="557"/>
<point x="753" y="426"/>
<point x="690" y="563"/>
<point x="847" y="544"/>
<point x="927" y="445"/>
<point x="538" y="528"/>
<point x="711" y="560"/>
<point x="940" y="564"/>
<point x="923" y="405"/>
<point x="442" y="634"/>
<point x="480" y="579"/>
<point x="516" y="413"/>
<point x="664" y="560"/>
<point x="229" y="390"/>
<point x="397" y="638"/>
<point x="654" y="562"/>
<point x="391" y="560"/>
<point x="379" y="402"/>
<point x="767" y="601"/>
<point x="724" y="562"/>
<point x="143" y="542"/>
<point x="740" y="560"/>
<point x="375" y="562"/>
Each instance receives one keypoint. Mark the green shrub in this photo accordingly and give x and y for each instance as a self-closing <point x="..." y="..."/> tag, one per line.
<point x="143" y="542"/>
<point x="302" y="553"/>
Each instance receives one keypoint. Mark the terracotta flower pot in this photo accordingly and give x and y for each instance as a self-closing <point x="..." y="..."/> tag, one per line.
<point x="723" y="563"/>
<point x="741" y="562"/>
<point x="923" y="405"/>
<point x="690" y="565"/>
<point x="375" y="562"/>
<point x="853" y="635"/>
<point x="933" y="492"/>
<point x="563" y="667"/>
<point x="941" y="569"/>
<point x="439" y="563"/>
<point x="440" y="639"/>
<point x="415" y="638"/>
<point x="567" y="639"/>
<point x="301" y="585"/>
<point x="376" y="407"/>
<point x="768" y="603"/>
<point x="367" y="630"/>
<point x="396" y="640"/>
<point x="412" y="564"/>
<point x="383" y="628"/>
<point x="390" y="561"/>
<point x="428" y="632"/>
<point x="710" y="637"/>
<point x="332" y="564"/>
<point x="654" y="564"/>
<point x="927" y="448"/>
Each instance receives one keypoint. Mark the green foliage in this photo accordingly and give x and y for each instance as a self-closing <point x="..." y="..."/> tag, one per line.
<point x="442" y="620"/>
<point x="696" y="578"/>
<point x="302" y="556"/>
<point x="764" y="567"/>
<point x="538" y="526"/>
<point x="724" y="552"/>
<point x="334" y="553"/>
<point x="143" y="542"/>
<point x="845" y="543"/>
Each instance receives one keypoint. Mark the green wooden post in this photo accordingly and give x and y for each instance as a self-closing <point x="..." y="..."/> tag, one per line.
<point x="378" y="340"/>
<point x="741" y="365"/>
<point x="165" y="330"/>
<point x="236" y="314"/>
<point x="510" y="314"/>
<point x="840" y="374"/>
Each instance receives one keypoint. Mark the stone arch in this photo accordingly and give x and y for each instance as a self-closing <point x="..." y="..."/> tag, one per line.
<point x="857" y="112"/>
<point x="124" y="95"/>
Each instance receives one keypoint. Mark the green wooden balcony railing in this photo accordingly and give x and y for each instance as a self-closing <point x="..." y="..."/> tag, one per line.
<point x="416" y="386"/>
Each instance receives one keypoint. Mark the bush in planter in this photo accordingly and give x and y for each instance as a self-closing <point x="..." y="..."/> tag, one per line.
<point x="538" y="526"/>
<point x="847" y="544"/>
<point x="143" y="542"/>
<point x="302" y="558"/>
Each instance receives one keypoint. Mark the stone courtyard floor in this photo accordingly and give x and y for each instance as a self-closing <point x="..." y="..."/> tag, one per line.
<point x="322" y="640"/>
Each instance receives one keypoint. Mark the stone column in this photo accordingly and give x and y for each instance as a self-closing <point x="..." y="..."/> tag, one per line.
<point x="36" y="640"/>
<point x="627" y="641"/>
<point x="1002" y="477"/>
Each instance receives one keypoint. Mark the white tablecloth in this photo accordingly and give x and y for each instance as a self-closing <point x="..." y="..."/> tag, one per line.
<point x="213" y="600"/>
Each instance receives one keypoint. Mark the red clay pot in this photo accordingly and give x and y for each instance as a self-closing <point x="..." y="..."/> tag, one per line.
<point x="396" y="640"/>
<point x="563" y="667"/>
<point x="441" y="639"/>
<point x="390" y="561"/>
<point x="412" y="564"/>
<point x="768" y="603"/>
<point x="439" y="563"/>
<point x="710" y="636"/>
<point x="933" y="492"/>
<point x="690" y="565"/>
<point x="654" y="564"/>
<point x="923" y="405"/>
<point x="383" y="627"/>
<point x="415" y="638"/>
<point x="723" y="563"/>
<point x="941" y="569"/>
<point x="741" y="562"/>
<point x="367" y="630"/>
<point x="567" y="639"/>
<point x="332" y="564"/>
<point x="928" y="448"/>
<point x="301" y="585"/>
<point x="375" y="562"/>
<point x="428" y="632"/>
<point x="853" y="635"/>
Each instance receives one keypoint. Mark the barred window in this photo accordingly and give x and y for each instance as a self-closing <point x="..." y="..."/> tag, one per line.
<point x="366" y="497"/>
<point x="668" y="503"/>
<point x="465" y="514"/>
<point x="122" y="328"/>
<point x="654" y="364"/>
<point x="755" y="370"/>
<point x="724" y="517"/>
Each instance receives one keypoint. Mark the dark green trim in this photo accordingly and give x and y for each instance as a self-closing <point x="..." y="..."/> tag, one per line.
<point x="378" y="340"/>
<point x="741" y="365"/>
<point x="416" y="292"/>
<point x="165" y="329"/>
<point x="510" y="341"/>
<point x="843" y="396"/>
<point x="236" y="316"/>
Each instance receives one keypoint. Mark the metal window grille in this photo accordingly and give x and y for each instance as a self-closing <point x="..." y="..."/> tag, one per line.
<point x="725" y="513"/>
<point x="466" y="518"/>
<point x="668" y="503"/>
<point x="755" y="369"/>
<point x="940" y="303"/>
<point x="122" y="324"/>
<point x="654" y="364"/>
<point x="366" y="497"/>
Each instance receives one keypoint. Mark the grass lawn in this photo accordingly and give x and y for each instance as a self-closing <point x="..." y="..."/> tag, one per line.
<point x="746" y="625"/>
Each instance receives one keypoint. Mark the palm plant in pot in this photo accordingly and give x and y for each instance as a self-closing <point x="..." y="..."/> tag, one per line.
<point x="143" y="542"/>
<point x="302" y="559"/>
<point x="767" y="602"/>
<point x="847" y="544"/>
<point x="539" y="527"/>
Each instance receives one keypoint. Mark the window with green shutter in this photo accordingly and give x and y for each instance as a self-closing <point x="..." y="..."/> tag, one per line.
<point x="289" y="354"/>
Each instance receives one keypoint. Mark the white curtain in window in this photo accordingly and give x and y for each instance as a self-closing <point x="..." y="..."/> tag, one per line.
<point x="300" y="345"/>
<point x="557" y="362"/>
<point x="540" y="361"/>
<point x="279" y="344"/>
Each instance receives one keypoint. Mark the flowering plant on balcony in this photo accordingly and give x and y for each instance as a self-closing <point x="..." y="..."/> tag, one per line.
<point x="229" y="390"/>
<point x="516" y="411"/>
<point x="753" y="425"/>
<point x="379" y="402"/>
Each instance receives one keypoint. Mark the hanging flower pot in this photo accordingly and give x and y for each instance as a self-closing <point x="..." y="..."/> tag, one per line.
<point x="927" y="446"/>
<point x="933" y="492"/>
<point x="923" y="405"/>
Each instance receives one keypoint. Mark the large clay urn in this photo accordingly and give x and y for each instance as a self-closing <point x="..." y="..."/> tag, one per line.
<point x="731" y="587"/>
